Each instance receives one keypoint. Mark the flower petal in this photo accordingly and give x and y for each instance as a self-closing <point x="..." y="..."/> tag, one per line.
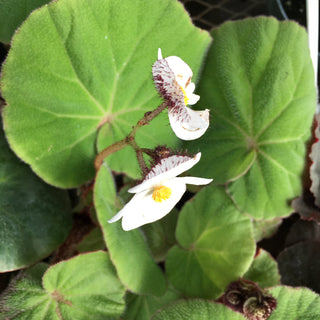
<point x="190" y="88"/>
<point x="193" y="98"/>
<point x="189" y="128"/>
<point x="159" y="54"/>
<point x="181" y="70"/>
<point x="142" y="209"/>
<point x="195" y="180"/>
<point x="167" y="169"/>
<point x="118" y="216"/>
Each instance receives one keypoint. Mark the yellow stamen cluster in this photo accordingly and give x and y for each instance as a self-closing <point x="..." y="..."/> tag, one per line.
<point x="161" y="193"/>
<point x="186" y="99"/>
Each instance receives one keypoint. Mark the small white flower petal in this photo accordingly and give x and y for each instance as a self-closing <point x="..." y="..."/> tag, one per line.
<point x="181" y="70"/>
<point x="142" y="209"/>
<point x="190" y="88"/>
<point x="192" y="128"/>
<point x="195" y="180"/>
<point x="167" y="169"/>
<point x="159" y="54"/>
<point x="117" y="217"/>
<point x="192" y="98"/>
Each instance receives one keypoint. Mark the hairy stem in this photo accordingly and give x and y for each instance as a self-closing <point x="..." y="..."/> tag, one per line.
<point x="130" y="140"/>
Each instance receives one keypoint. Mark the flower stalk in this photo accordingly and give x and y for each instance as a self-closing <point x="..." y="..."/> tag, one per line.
<point x="129" y="140"/>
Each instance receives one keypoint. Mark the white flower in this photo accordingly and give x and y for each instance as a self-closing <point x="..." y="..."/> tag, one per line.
<point x="172" y="78"/>
<point x="159" y="192"/>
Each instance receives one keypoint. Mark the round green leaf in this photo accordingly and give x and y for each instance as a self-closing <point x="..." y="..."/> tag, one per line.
<point x="262" y="99"/>
<point x="264" y="270"/>
<point x="25" y="292"/>
<point x="12" y="13"/>
<point x="128" y="249"/>
<point x="77" y="66"/>
<point x="295" y="303"/>
<point x="187" y="275"/>
<point x="216" y="245"/>
<point x="84" y="287"/>
<point x="197" y="310"/>
<point x="35" y="218"/>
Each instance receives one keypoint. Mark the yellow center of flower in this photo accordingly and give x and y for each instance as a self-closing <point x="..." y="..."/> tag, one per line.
<point x="161" y="193"/>
<point x="186" y="99"/>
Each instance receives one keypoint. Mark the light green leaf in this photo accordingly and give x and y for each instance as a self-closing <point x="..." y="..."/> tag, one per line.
<point x="187" y="275"/>
<point x="142" y="307"/>
<point x="84" y="287"/>
<point x="88" y="66"/>
<point x="215" y="247"/>
<point x="262" y="99"/>
<point x="264" y="270"/>
<point x="295" y="303"/>
<point x="12" y="13"/>
<point x="35" y="218"/>
<point x="128" y="249"/>
<point x="197" y="310"/>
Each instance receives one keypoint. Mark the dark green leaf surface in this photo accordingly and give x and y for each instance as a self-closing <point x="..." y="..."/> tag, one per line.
<point x="216" y="245"/>
<point x="295" y="303"/>
<point x="35" y="218"/>
<point x="315" y="158"/>
<point x="263" y="271"/>
<point x="67" y="292"/>
<point x="299" y="265"/>
<point x="142" y="307"/>
<point x="77" y="66"/>
<point x="197" y="310"/>
<point x="92" y="241"/>
<point x="262" y="99"/>
<point x="13" y="12"/>
<point x="128" y="249"/>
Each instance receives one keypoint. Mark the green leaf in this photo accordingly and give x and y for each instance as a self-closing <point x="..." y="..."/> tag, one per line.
<point x="128" y="249"/>
<point x="215" y="245"/>
<point x="142" y="307"/>
<point x="12" y="13"/>
<point x="197" y="310"/>
<point x="262" y="99"/>
<point x="264" y="270"/>
<point x="84" y="287"/>
<point x="35" y="218"/>
<point x="88" y="66"/>
<point x="295" y="303"/>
